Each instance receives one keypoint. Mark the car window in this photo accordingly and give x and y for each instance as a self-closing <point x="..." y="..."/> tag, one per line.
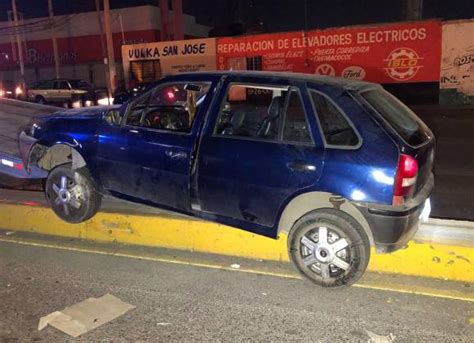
<point x="61" y="85"/>
<point x="295" y="127"/>
<point x="336" y="128"/>
<point x="113" y="116"/>
<point x="136" y="110"/>
<point x="411" y="128"/>
<point x="78" y="84"/>
<point x="171" y="107"/>
<point x="46" y="85"/>
<point x="252" y="111"/>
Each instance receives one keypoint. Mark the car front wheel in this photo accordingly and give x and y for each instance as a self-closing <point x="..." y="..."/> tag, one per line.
<point x="329" y="248"/>
<point x="72" y="194"/>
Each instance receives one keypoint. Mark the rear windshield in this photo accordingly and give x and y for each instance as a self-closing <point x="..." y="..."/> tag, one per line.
<point x="403" y="120"/>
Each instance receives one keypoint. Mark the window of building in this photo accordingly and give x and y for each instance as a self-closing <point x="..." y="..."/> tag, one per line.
<point x="145" y="71"/>
<point x="254" y="63"/>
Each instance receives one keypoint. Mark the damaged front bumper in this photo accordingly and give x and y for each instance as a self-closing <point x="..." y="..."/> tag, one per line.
<point x="26" y="143"/>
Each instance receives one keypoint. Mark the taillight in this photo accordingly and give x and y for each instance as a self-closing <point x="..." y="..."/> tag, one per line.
<point x="405" y="178"/>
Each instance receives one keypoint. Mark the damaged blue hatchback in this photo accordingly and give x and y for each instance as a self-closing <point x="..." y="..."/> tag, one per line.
<point x="337" y="165"/>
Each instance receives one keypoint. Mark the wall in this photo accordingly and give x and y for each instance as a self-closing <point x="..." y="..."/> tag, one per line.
<point x="457" y="63"/>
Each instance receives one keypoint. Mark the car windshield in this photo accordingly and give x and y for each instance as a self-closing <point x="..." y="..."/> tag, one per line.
<point x="79" y="84"/>
<point x="403" y="120"/>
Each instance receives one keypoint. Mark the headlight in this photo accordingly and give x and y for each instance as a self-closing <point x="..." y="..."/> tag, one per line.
<point x="18" y="90"/>
<point x="2" y="93"/>
<point x="105" y="101"/>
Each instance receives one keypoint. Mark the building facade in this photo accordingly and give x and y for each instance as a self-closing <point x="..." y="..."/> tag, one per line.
<point x="79" y="43"/>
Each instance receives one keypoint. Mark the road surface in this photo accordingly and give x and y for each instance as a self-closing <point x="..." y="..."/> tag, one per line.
<point x="178" y="300"/>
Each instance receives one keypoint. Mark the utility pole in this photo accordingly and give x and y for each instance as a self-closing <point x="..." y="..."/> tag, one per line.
<point x="178" y="19"/>
<point x="412" y="9"/>
<point x="53" y="37"/>
<point x="102" y="44"/>
<point x="110" y="47"/>
<point x="18" y="42"/>
<point x="165" y="20"/>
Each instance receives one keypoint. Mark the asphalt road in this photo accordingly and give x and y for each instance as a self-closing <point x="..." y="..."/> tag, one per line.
<point x="186" y="302"/>
<point x="12" y="118"/>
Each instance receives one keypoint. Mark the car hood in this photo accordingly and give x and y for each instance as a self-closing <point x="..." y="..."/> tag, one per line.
<point x="84" y="112"/>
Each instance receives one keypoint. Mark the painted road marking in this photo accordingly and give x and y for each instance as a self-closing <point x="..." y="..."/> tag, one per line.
<point x="412" y="290"/>
<point x="421" y="259"/>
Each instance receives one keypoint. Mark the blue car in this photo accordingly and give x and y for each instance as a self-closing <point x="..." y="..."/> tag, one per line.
<point x="338" y="165"/>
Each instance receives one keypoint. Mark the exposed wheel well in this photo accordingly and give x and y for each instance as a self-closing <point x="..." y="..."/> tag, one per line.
<point x="308" y="202"/>
<point x="49" y="157"/>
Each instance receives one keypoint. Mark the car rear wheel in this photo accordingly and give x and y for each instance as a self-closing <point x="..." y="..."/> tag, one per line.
<point x="329" y="248"/>
<point x="72" y="194"/>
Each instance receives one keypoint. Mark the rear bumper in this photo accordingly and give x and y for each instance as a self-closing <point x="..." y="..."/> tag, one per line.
<point x="393" y="226"/>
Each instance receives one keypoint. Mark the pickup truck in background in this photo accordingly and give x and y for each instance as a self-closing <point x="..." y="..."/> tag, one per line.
<point x="69" y="92"/>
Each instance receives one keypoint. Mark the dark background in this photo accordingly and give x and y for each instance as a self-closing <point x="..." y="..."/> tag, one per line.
<point x="268" y="15"/>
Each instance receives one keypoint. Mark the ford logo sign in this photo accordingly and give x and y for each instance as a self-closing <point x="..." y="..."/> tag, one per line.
<point x="353" y="72"/>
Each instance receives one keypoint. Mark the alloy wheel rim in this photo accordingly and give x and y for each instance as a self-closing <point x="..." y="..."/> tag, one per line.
<point x="325" y="252"/>
<point x="69" y="195"/>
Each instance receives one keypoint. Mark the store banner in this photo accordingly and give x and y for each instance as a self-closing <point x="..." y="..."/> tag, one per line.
<point x="271" y="52"/>
<point x="457" y="63"/>
<point x="389" y="53"/>
<point x="152" y="61"/>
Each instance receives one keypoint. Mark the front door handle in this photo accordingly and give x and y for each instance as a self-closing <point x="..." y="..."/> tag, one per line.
<point x="301" y="166"/>
<point x="176" y="154"/>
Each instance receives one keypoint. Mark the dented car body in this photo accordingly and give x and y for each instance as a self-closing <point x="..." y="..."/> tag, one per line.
<point x="337" y="165"/>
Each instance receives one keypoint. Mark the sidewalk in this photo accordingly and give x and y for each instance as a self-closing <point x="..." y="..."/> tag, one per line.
<point x="441" y="249"/>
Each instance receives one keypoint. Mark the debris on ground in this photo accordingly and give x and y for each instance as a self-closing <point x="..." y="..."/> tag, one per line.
<point x="235" y="266"/>
<point x="374" y="338"/>
<point x="86" y="315"/>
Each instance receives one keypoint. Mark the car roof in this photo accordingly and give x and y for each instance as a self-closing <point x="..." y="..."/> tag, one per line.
<point x="311" y="78"/>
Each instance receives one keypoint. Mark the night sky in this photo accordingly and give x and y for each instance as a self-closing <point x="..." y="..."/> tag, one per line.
<point x="276" y="15"/>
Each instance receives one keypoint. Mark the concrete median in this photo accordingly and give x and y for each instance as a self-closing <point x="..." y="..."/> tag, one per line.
<point x="441" y="249"/>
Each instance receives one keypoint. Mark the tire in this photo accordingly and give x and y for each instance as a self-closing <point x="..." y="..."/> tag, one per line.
<point x="72" y="194"/>
<point x="40" y="100"/>
<point x="338" y="260"/>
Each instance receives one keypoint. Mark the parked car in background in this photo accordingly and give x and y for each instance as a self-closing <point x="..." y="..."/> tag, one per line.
<point x="124" y="95"/>
<point x="338" y="165"/>
<point x="71" y="92"/>
<point x="12" y="90"/>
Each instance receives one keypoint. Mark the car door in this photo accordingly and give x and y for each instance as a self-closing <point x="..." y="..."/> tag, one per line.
<point x="149" y="156"/>
<point x="258" y="151"/>
<point x="63" y="91"/>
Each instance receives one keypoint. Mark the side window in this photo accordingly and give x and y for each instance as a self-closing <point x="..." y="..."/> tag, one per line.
<point x="47" y="85"/>
<point x="113" y="117"/>
<point x="336" y="129"/>
<point x="61" y="85"/>
<point x="170" y="107"/>
<point x="65" y="85"/>
<point x="136" y="110"/>
<point x="295" y="127"/>
<point x="251" y="111"/>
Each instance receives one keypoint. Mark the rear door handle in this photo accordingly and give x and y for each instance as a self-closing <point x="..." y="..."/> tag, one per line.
<point x="301" y="166"/>
<point x="176" y="154"/>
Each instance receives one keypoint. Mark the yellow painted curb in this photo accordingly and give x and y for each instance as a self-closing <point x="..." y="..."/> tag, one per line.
<point x="420" y="259"/>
